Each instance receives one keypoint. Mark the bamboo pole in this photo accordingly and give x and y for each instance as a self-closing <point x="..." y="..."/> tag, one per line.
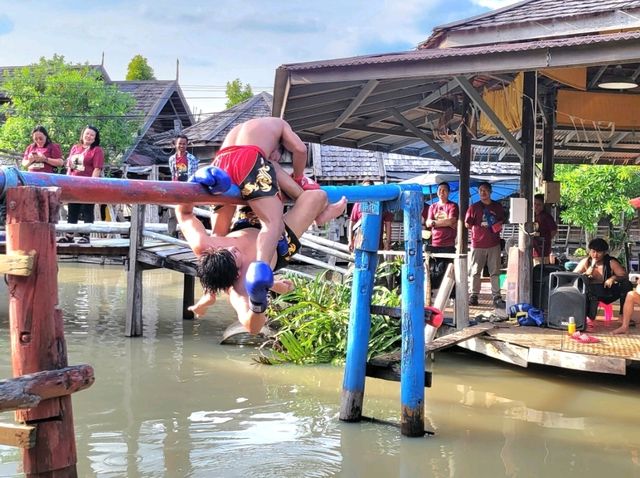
<point x="316" y="262"/>
<point x="326" y="242"/>
<point x="37" y="330"/>
<point x="332" y="252"/>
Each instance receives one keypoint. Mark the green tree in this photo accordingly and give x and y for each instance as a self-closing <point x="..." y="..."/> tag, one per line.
<point x="237" y="92"/>
<point x="65" y="98"/>
<point x="590" y="193"/>
<point x="139" y="69"/>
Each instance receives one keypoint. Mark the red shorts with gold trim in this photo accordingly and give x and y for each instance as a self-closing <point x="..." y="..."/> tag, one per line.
<point x="249" y="168"/>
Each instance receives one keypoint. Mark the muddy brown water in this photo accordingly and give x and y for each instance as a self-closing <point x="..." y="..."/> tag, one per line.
<point x="175" y="403"/>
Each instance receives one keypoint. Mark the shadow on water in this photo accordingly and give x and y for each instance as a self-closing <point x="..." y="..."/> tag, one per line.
<point x="175" y="403"/>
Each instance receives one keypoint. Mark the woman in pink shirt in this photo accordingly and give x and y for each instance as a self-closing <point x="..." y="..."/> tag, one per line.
<point x="43" y="155"/>
<point x="86" y="159"/>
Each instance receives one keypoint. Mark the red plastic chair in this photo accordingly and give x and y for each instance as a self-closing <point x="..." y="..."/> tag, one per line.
<point x="607" y="309"/>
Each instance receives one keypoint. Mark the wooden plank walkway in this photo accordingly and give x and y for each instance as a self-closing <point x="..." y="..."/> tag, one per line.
<point x="509" y="342"/>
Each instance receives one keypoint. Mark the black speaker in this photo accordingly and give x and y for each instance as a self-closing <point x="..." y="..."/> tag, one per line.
<point x="540" y="295"/>
<point x="567" y="298"/>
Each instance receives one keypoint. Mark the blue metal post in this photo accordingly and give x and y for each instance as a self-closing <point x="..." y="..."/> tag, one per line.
<point x="367" y="243"/>
<point x="412" y="365"/>
<point x="379" y="192"/>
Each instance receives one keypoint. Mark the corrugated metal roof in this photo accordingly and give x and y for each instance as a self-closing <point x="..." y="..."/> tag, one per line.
<point x="540" y="11"/>
<point x="424" y="55"/>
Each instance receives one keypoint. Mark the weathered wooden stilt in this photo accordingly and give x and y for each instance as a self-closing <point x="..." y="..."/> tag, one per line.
<point x="412" y="365"/>
<point x="367" y="241"/>
<point x="36" y="328"/>
<point x="133" y="326"/>
<point x="188" y="296"/>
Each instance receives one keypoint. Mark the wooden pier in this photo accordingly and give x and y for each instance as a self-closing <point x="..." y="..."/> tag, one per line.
<point x="521" y="346"/>
<point x="494" y="336"/>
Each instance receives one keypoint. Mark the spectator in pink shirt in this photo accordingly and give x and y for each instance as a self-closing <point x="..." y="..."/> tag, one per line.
<point x="354" y="223"/>
<point x="442" y="220"/>
<point x="86" y="159"/>
<point x="43" y="155"/>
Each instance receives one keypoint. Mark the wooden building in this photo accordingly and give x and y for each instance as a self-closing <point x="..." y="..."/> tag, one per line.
<point x="528" y="83"/>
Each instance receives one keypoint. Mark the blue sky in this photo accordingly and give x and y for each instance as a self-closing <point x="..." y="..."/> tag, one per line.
<point x="218" y="41"/>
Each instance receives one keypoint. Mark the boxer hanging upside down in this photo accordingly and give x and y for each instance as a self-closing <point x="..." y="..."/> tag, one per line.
<point x="247" y="155"/>
<point x="229" y="260"/>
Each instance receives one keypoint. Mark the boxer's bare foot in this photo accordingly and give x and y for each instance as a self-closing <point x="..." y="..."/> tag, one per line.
<point x="331" y="211"/>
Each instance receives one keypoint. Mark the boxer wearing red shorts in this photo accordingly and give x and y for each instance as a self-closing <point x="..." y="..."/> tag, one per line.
<point x="249" y="168"/>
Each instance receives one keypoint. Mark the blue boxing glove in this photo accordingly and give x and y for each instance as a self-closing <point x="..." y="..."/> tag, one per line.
<point x="214" y="179"/>
<point x="258" y="281"/>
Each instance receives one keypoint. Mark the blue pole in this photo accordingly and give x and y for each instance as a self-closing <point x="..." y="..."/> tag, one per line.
<point x="412" y="365"/>
<point x="367" y="243"/>
<point x="379" y="192"/>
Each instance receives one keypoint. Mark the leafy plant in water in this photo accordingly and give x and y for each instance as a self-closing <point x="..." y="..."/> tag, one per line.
<point x="312" y="323"/>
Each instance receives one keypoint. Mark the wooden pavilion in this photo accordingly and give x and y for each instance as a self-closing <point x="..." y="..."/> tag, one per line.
<point x="524" y="83"/>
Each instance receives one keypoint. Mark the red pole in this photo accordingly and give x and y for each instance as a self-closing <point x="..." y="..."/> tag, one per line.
<point x="118" y="191"/>
<point x="36" y="328"/>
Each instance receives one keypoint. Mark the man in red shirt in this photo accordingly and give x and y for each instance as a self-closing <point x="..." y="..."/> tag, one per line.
<point x="546" y="228"/>
<point x="485" y="218"/>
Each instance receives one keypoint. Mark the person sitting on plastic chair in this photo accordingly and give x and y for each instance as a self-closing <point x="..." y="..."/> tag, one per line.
<point x="608" y="280"/>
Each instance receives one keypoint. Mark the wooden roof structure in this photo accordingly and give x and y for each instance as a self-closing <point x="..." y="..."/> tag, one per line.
<point x="162" y="106"/>
<point x="212" y="130"/>
<point x="411" y="102"/>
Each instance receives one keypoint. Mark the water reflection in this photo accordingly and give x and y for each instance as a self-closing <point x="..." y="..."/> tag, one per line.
<point x="174" y="403"/>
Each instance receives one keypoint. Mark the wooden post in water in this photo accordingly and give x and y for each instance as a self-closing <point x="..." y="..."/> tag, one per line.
<point x="412" y="364"/>
<point x="133" y="327"/>
<point x="36" y="328"/>
<point x="188" y="296"/>
<point x="366" y="243"/>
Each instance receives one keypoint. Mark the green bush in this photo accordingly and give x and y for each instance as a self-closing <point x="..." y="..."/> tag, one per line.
<point x="312" y="323"/>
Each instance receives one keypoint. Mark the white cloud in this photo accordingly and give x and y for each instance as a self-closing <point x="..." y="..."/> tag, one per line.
<point x="494" y="4"/>
<point x="215" y="41"/>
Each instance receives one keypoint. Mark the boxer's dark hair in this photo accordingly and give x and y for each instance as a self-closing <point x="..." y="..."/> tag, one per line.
<point x="217" y="270"/>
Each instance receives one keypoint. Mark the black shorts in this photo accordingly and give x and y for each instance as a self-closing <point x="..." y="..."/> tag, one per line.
<point x="293" y="246"/>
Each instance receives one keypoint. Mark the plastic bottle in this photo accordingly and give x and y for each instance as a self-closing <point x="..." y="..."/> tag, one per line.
<point x="571" y="327"/>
